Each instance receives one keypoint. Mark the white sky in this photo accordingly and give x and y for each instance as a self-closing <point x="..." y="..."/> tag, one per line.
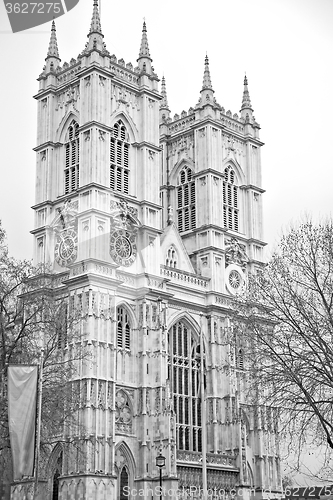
<point x="285" y="47"/>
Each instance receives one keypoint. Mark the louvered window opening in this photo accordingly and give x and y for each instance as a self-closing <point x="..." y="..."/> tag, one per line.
<point x="62" y="327"/>
<point x="119" y="159"/>
<point x="186" y="213"/>
<point x="184" y="376"/>
<point x="123" y="329"/>
<point x="230" y="201"/>
<point x="72" y="159"/>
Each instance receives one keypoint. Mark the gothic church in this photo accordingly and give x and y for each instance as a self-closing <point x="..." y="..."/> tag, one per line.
<point x="151" y="224"/>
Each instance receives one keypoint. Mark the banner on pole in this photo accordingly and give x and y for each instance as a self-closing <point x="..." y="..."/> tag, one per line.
<point x="22" y="402"/>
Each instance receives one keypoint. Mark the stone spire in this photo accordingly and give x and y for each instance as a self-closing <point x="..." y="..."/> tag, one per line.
<point x="144" y="48"/>
<point x="144" y="60"/>
<point x="53" y="45"/>
<point x="95" y="26"/>
<point x="52" y="59"/>
<point x="164" y="102"/>
<point x="207" y="83"/>
<point x="207" y="92"/>
<point x="164" y="106"/>
<point x="95" y="35"/>
<point x="246" y="109"/>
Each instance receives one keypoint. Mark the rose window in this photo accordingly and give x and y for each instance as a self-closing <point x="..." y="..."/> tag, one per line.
<point x="235" y="279"/>
<point x="123" y="247"/>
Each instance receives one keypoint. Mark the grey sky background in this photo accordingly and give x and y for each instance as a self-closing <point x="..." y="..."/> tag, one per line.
<point x="284" y="46"/>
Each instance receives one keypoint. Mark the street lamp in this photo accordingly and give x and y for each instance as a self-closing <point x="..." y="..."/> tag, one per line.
<point x="160" y="463"/>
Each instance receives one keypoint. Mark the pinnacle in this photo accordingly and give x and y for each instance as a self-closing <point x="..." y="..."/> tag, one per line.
<point x="207" y="83"/>
<point x="95" y="26"/>
<point x="246" y="103"/>
<point x="144" y="48"/>
<point x="53" y="45"/>
<point x="164" y="101"/>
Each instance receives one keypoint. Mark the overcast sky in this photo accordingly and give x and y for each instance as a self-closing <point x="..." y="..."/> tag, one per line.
<point x="284" y="46"/>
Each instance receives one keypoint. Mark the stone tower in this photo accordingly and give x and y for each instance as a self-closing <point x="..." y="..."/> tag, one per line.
<point x="151" y="225"/>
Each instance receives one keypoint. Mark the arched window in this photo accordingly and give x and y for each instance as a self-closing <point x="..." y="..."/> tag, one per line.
<point x="171" y="257"/>
<point x="72" y="159"/>
<point x="56" y="475"/>
<point x="123" y="329"/>
<point x="123" y="484"/>
<point x="184" y="376"/>
<point x="119" y="152"/>
<point x="186" y="200"/>
<point x="230" y="200"/>
<point x="240" y="359"/>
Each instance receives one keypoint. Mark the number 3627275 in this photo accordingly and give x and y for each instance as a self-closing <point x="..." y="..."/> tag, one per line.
<point x="32" y="7"/>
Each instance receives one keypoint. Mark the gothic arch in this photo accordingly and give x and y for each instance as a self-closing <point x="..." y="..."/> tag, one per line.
<point x="54" y="470"/>
<point x="187" y="319"/>
<point x="192" y="324"/>
<point x="230" y="162"/>
<point x="52" y="462"/>
<point x="171" y="256"/>
<point x="80" y="489"/>
<point x="125" y="451"/>
<point x="101" y="491"/>
<point x="64" y="124"/>
<point x="130" y="312"/>
<point x="129" y="124"/>
<point x="125" y="468"/>
<point x="178" y="167"/>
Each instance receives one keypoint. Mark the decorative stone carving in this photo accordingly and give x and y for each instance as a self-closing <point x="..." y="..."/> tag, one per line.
<point x="235" y="254"/>
<point x="124" y="415"/>
<point x="101" y="135"/>
<point x="123" y="232"/>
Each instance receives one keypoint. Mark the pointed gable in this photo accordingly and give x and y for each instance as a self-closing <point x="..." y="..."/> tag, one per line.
<point x="171" y="240"/>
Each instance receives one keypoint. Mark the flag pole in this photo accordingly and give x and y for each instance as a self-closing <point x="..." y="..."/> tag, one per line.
<point x="203" y="414"/>
<point x="39" y="421"/>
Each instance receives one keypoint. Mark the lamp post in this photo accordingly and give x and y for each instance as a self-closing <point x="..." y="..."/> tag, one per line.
<point x="160" y="463"/>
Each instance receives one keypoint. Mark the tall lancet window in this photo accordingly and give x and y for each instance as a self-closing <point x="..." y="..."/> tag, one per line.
<point x="72" y="159"/>
<point x="230" y="200"/>
<point x="119" y="152"/>
<point x="123" y="484"/>
<point x="184" y="376"/>
<point x="123" y="328"/>
<point x="186" y="200"/>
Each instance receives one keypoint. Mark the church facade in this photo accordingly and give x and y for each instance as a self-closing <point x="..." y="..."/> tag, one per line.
<point x="151" y="224"/>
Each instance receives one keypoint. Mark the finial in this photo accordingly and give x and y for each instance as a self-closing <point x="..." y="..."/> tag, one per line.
<point x="53" y="45"/>
<point x="246" y="102"/>
<point x="95" y="26"/>
<point x="207" y="83"/>
<point x="144" y="48"/>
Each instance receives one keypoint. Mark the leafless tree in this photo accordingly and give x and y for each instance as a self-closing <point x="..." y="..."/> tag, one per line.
<point x="36" y="324"/>
<point x="286" y="320"/>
